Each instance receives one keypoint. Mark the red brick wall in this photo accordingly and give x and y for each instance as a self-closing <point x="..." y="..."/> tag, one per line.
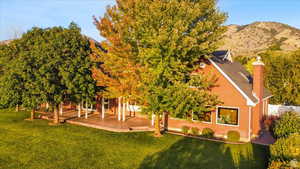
<point x="230" y="97"/>
<point x="258" y="89"/>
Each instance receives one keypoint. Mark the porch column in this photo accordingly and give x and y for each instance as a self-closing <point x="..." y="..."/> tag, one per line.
<point x="192" y="115"/>
<point x="103" y="109"/>
<point x="91" y="107"/>
<point x="128" y="109"/>
<point x="134" y="109"/>
<point x="79" y="110"/>
<point x="61" y="109"/>
<point x="124" y="111"/>
<point x="119" y="109"/>
<point x="86" y="110"/>
<point x="47" y="105"/>
<point x="152" y="119"/>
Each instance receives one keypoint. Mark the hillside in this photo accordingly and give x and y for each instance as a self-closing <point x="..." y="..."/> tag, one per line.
<point x="5" y="42"/>
<point x="248" y="40"/>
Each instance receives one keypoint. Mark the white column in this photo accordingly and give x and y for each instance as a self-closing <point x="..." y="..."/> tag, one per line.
<point x="124" y="111"/>
<point x="152" y="119"/>
<point x="61" y="109"/>
<point x="119" y="108"/>
<point x="79" y="110"/>
<point x="127" y="108"/>
<point x="103" y="109"/>
<point x="47" y="105"/>
<point x="134" y="109"/>
<point x="91" y="107"/>
<point x="86" y="110"/>
<point x="192" y="115"/>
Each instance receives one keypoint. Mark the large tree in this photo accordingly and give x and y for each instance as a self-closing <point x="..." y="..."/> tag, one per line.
<point x="54" y="66"/>
<point x="282" y="76"/>
<point x="166" y="39"/>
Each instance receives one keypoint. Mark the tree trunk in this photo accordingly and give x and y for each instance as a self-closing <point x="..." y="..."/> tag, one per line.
<point x="56" y="115"/>
<point x="157" y="132"/>
<point x="32" y="114"/>
<point x="17" y="108"/>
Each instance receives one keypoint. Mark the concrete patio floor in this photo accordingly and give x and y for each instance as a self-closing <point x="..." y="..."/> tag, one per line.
<point x="111" y="123"/>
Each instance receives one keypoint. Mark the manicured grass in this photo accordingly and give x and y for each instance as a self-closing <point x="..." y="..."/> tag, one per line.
<point x="36" y="145"/>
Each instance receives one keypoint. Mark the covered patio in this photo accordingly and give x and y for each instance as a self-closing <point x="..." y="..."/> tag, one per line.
<point x="106" y="120"/>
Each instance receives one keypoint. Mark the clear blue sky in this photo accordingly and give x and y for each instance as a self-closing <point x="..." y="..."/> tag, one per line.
<point x="20" y="15"/>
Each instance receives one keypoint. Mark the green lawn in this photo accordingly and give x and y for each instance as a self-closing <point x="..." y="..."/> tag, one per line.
<point x="36" y="145"/>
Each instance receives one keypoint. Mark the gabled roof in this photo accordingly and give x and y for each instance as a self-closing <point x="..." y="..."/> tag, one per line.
<point x="237" y="74"/>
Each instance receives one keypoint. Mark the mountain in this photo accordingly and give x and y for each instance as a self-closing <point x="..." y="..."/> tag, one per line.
<point x="5" y="42"/>
<point x="251" y="39"/>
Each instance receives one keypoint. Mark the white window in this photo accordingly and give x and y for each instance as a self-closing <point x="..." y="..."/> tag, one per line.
<point x="228" y="116"/>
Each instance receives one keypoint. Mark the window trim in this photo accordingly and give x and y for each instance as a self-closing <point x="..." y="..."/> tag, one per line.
<point x="232" y="125"/>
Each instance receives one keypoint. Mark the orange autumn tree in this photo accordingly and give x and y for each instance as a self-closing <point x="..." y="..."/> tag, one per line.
<point x="118" y="70"/>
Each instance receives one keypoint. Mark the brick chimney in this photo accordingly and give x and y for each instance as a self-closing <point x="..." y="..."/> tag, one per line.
<point x="258" y="91"/>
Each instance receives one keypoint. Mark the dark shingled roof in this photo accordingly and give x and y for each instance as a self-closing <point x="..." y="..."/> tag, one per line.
<point x="237" y="73"/>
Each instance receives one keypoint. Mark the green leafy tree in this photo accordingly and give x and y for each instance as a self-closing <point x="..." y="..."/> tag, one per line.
<point x="282" y="76"/>
<point x="165" y="38"/>
<point x="54" y="65"/>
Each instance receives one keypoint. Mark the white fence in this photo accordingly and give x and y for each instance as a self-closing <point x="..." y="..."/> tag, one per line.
<point x="277" y="110"/>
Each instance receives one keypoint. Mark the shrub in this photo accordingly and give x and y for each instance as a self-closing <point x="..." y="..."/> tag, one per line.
<point x="286" y="148"/>
<point x="233" y="136"/>
<point x="279" y="165"/>
<point x="194" y="131"/>
<point x="207" y="132"/>
<point x="287" y="124"/>
<point x="269" y="122"/>
<point x="185" y="129"/>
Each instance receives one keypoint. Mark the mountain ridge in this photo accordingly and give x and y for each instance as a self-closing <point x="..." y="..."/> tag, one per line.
<point x="251" y="39"/>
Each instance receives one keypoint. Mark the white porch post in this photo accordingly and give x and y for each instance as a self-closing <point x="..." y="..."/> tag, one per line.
<point x="79" y="110"/>
<point x="127" y="108"/>
<point x="61" y="109"/>
<point x="86" y="109"/>
<point x="124" y="111"/>
<point x="119" y="108"/>
<point x="192" y="115"/>
<point x="103" y="108"/>
<point x="134" y="109"/>
<point x="47" y="105"/>
<point x="152" y="119"/>
<point x="91" y="107"/>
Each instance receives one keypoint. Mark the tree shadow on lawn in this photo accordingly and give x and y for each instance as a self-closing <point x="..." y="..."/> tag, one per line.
<point x="193" y="153"/>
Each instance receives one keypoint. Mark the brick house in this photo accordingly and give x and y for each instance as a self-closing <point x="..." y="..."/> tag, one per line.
<point x="245" y="100"/>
